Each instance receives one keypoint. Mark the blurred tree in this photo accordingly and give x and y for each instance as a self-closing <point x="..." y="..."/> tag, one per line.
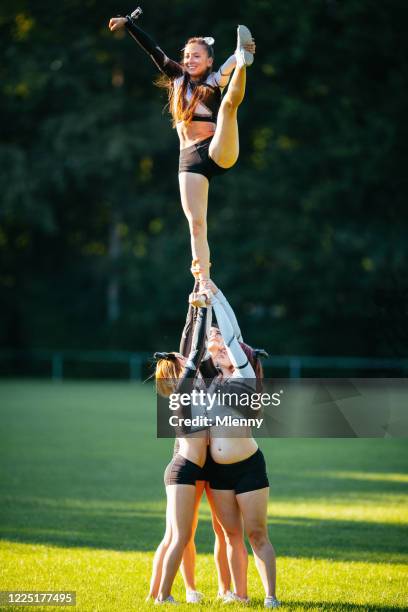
<point x="308" y="232"/>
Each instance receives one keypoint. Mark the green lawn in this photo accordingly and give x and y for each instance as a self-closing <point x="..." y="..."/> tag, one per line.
<point x="82" y="505"/>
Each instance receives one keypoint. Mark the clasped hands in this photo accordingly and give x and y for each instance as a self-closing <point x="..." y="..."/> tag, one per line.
<point x="203" y="297"/>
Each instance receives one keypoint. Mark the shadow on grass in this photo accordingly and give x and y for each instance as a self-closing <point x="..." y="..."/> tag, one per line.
<point x="110" y="525"/>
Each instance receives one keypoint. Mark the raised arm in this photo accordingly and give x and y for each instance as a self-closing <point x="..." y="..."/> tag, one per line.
<point x="186" y="335"/>
<point x="187" y="379"/>
<point x="211" y="286"/>
<point x="207" y="368"/>
<point x="196" y="352"/>
<point x="231" y="314"/>
<point x="167" y="66"/>
<point x="222" y="76"/>
<point x="242" y="367"/>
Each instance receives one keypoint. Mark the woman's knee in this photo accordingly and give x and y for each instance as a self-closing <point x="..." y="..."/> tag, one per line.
<point x="197" y="226"/>
<point x="232" y="534"/>
<point x="182" y="538"/>
<point x="191" y="541"/>
<point x="218" y="531"/>
<point x="258" y="537"/>
<point x="166" y="541"/>
<point x="228" y="104"/>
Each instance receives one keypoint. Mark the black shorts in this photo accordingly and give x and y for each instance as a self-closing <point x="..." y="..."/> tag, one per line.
<point x="196" y="159"/>
<point x="243" y="476"/>
<point x="182" y="471"/>
<point x="207" y="467"/>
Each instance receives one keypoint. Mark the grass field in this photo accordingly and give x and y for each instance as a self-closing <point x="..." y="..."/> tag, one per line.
<point x="83" y="506"/>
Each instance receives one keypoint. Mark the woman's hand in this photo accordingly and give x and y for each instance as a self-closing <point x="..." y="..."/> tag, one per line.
<point x="208" y="285"/>
<point x="200" y="299"/>
<point x="251" y="47"/>
<point x="117" y="23"/>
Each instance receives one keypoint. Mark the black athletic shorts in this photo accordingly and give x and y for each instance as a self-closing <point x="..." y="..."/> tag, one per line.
<point x="207" y="467"/>
<point x="243" y="476"/>
<point x="196" y="159"/>
<point x="182" y="471"/>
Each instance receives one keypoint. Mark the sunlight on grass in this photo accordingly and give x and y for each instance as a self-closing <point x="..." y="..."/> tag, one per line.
<point x="374" y="476"/>
<point x="367" y="511"/>
<point x="391" y="510"/>
<point x="107" y="580"/>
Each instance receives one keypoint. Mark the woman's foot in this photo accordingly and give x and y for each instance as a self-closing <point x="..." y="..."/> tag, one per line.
<point x="244" y="37"/>
<point x="199" y="300"/>
<point x="198" y="272"/>
<point x="271" y="602"/>
<point x="223" y="595"/>
<point x="195" y="268"/>
<point x="169" y="600"/>
<point x="232" y="598"/>
<point x="194" y="596"/>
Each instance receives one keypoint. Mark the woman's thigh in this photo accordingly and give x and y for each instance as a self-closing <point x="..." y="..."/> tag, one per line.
<point x="227" y="510"/>
<point x="181" y="507"/>
<point x="200" y="484"/>
<point x="254" y="508"/>
<point x="224" y="147"/>
<point x="194" y="194"/>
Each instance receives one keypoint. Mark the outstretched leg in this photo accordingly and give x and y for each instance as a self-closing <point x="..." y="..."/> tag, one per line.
<point x="224" y="147"/>
<point x="194" y="199"/>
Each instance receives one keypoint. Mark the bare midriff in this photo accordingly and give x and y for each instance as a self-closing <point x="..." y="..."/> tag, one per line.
<point x="194" y="132"/>
<point x="194" y="449"/>
<point x="231" y="450"/>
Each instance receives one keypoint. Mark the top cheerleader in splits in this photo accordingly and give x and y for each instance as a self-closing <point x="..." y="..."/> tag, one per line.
<point x="206" y="122"/>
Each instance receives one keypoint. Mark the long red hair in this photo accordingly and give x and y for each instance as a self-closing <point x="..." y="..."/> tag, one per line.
<point x="179" y="107"/>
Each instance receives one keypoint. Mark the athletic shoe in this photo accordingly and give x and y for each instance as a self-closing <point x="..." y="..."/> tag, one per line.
<point x="194" y="596"/>
<point x="169" y="600"/>
<point x="271" y="602"/>
<point x="244" y="36"/>
<point x="195" y="268"/>
<point x="223" y="595"/>
<point x="232" y="598"/>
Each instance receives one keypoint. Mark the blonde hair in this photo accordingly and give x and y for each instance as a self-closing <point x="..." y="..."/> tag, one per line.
<point x="168" y="370"/>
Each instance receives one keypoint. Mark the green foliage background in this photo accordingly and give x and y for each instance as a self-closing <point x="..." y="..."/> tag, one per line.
<point x="308" y="232"/>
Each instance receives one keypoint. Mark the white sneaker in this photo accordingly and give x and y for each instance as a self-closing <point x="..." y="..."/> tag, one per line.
<point x="194" y="596"/>
<point x="271" y="602"/>
<point x="243" y="57"/>
<point x="169" y="600"/>
<point x="223" y="595"/>
<point x="232" y="598"/>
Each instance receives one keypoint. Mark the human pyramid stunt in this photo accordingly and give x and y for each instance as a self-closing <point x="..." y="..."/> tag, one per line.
<point x="232" y="470"/>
